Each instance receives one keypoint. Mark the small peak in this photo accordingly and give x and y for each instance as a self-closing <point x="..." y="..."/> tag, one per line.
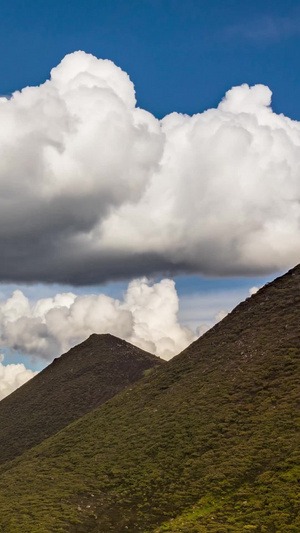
<point x="104" y="336"/>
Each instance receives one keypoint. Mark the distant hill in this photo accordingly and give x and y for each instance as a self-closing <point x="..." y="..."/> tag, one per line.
<point x="208" y="443"/>
<point x="67" y="389"/>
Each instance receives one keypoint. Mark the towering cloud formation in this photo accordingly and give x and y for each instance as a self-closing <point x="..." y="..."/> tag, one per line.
<point x="147" y="317"/>
<point x="93" y="188"/>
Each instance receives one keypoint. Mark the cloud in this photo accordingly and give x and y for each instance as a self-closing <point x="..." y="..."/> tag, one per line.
<point x="221" y="314"/>
<point x="268" y="28"/>
<point x="253" y="290"/>
<point x="149" y="315"/>
<point x="12" y="376"/>
<point x="146" y="317"/>
<point x="95" y="189"/>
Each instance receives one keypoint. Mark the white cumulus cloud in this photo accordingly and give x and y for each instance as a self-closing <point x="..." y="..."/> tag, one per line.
<point x="94" y="188"/>
<point x="146" y="317"/>
<point x="12" y="376"/>
<point x="253" y="290"/>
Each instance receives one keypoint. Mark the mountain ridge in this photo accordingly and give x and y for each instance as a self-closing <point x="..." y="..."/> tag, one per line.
<point x="72" y="385"/>
<point x="207" y="443"/>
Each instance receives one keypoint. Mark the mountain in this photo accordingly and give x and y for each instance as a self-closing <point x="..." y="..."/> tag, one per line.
<point x="207" y="443"/>
<point x="67" y="389"/>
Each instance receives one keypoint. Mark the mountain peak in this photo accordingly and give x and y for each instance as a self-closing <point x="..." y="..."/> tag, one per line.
<point x="104" y="336"/>
<point x="72" y="385"/>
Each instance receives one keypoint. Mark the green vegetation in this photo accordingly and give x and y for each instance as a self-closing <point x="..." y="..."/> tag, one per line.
<point x="74" y="384"/>
<point x="208" y="442"/>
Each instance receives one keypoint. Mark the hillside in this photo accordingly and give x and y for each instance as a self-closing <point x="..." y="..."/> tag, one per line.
<point x="67" y="389"/>
<point x="207" y="443"/>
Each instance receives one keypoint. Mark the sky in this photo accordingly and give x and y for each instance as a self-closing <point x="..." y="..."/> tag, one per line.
<point x="149" y="170"/>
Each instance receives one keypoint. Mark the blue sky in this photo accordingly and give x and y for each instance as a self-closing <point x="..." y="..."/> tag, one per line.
<point x="181" y="56"/>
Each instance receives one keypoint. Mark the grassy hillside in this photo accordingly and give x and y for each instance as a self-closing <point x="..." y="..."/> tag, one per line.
<point x="209" y="442"/>
<point x="67" y="389"/>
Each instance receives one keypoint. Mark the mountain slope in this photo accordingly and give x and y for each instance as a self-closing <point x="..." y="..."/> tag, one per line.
<point x="210" y="439"/>
<point x="67" y="389"/>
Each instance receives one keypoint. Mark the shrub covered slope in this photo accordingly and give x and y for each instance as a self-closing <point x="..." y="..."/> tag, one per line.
<point x="208" y="442"/>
